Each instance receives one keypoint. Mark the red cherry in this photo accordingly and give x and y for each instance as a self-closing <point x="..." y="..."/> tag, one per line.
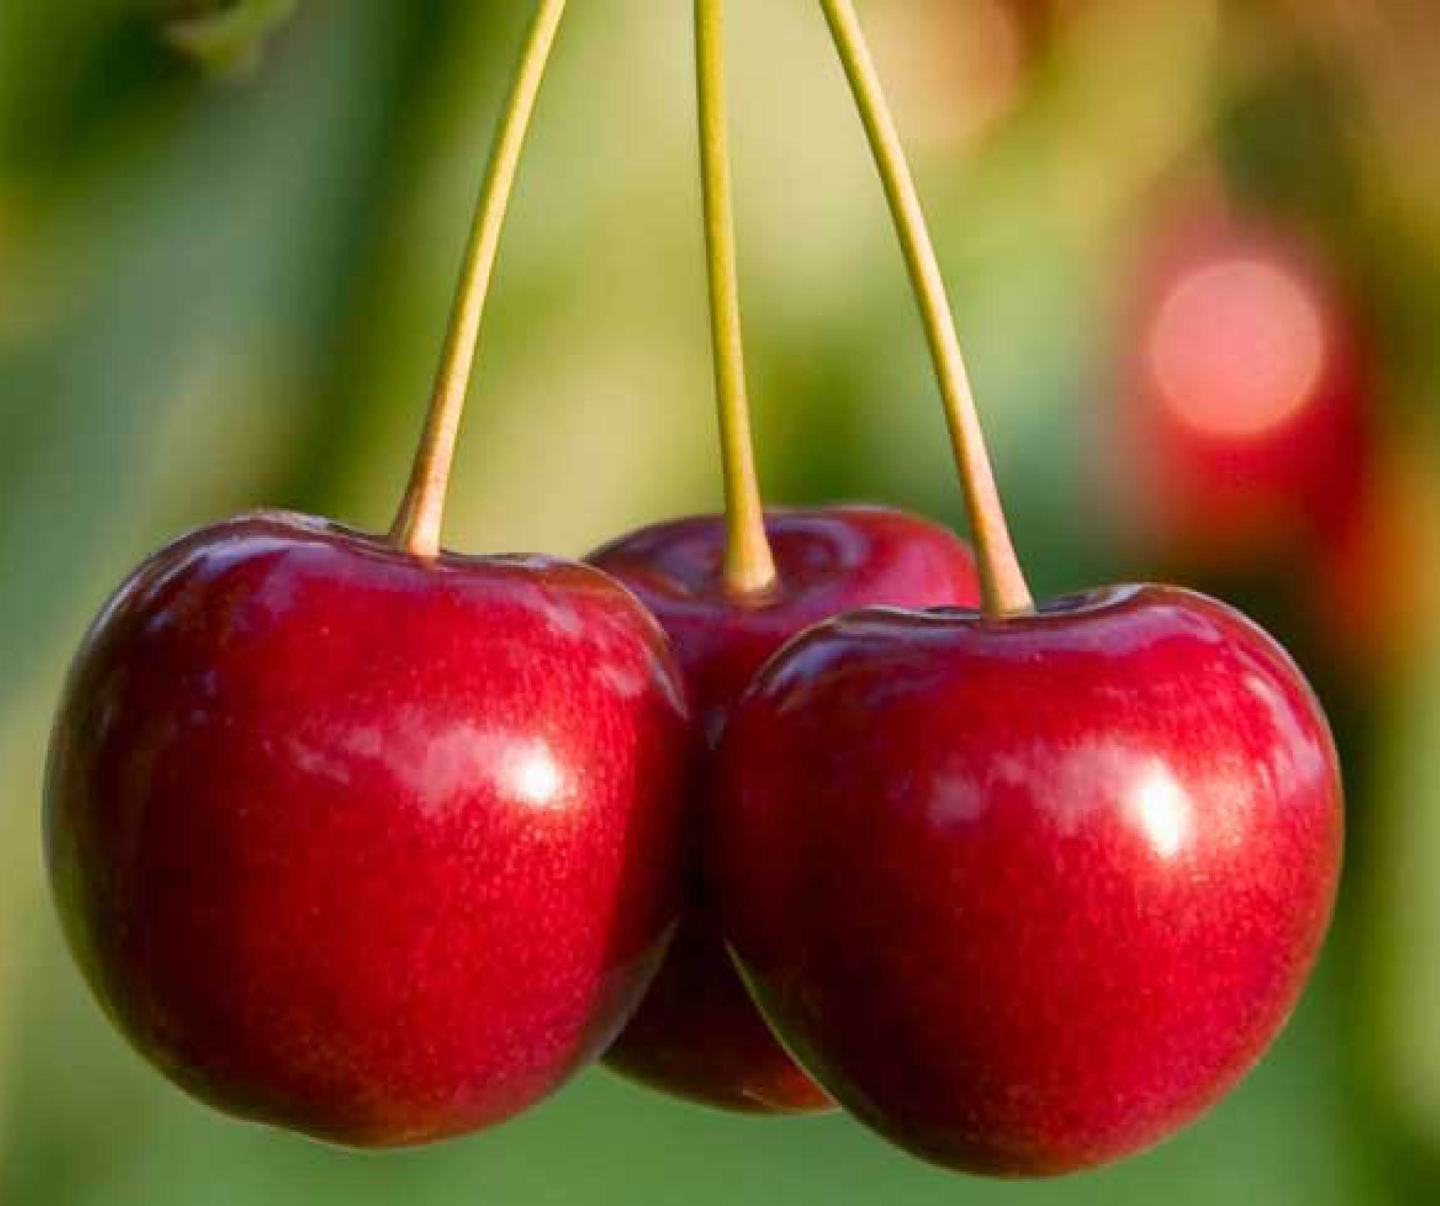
<point x="697" y="1035"/>
<point x="376" y="847"/>
<point x="1027" y="895"/>
<point x="1250" y="397"/>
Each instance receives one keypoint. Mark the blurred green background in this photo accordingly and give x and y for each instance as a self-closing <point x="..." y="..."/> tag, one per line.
<point x="224" y="271"/>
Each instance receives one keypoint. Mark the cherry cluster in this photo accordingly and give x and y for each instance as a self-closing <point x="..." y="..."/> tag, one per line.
<point x="771" y="811"/>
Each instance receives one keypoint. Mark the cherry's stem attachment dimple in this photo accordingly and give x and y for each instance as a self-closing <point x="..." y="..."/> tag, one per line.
<point x="749" y="564"/>
<point x="417" y="526"/>
<point x="1002" y="581"/>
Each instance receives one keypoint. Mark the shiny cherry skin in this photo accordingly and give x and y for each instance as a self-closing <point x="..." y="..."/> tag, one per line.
<point x="1027" y="896"/>
<point x="697" y="1035"/>
<point x="371" y="847"/>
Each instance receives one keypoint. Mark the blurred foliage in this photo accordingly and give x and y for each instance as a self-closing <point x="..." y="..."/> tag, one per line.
<point x="228" y="36"/>
<point x="218" y="294"/>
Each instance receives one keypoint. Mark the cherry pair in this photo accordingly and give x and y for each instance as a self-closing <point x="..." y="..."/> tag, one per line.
<point x="1025" y="893"/>
<point x="382" y="844"/>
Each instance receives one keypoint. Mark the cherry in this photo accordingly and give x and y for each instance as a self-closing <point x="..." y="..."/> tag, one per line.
<point x="1248" y="397"/>
<point x="375" y="847"/>
<point x="1026" y="896"/>
<point x="1025" y="889"/>
<point x="360" y="838"/>
<point x="697" y="1034"/>
<point x="729" y="591"/>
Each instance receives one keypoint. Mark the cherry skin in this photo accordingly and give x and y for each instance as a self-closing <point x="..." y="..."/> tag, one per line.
<point x="1028" y="895"/>
<point x="697" y="1035"/>
<point x="376" y="848"/>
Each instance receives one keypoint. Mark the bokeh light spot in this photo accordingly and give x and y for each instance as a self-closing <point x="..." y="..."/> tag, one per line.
<point x="1237" y="348"/>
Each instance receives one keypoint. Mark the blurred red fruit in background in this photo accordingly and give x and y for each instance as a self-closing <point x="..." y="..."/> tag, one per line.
<point x="1247" y="400"/>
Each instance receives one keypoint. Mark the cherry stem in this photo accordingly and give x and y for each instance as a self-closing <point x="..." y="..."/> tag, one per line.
<point x="1003" y="584"/>
<point x="749" y="563"/>
<point x="417" y="525"/>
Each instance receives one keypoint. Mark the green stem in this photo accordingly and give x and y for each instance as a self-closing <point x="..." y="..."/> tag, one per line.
<point x="749" y="564"/>
<point x="1002" y="581"/>
<point x="417" y="526"/>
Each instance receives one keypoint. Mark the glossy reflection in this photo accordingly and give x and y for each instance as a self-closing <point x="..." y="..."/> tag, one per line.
<point x="1161" y="808"/>
<point x="534" y="776"/>
<point x="697" y="1034"/>
<point x="1028" y="896"/>
<point x="378" y="849"/>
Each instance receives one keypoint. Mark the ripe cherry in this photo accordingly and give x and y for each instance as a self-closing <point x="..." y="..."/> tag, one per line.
<point x="376" y="847"/>
<point x="697" y="1034"/>
<point x="730" y="591"/>
<point x="1027" y="895"/>
<point x="360" y="838"/>
<point x="1024" y="889"/>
